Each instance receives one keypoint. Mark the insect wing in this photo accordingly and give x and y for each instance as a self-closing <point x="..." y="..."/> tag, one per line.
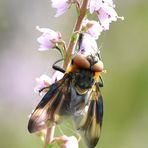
<point x="91" y="122"/>
<point x="47" y="112"/>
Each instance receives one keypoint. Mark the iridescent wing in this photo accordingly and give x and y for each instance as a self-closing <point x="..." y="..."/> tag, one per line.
<point x="91" y="122"/>
<point x="53" y="104"/>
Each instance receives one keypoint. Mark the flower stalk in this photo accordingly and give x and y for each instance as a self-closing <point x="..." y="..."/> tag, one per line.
<point x="75" y="34"/>
<point x="49" y="136"/>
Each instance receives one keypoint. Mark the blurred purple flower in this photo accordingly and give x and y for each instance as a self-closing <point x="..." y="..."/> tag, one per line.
<point x="94" y="5"/>
<point x="105" y="10"/>
<point x="93" y="28"/>
<point x="48" y="39"/>
<point x="56" y="76"/>
<point x="45" y="81"/>
<point x="109" y="3"/>
<point x="61" y="5"/>
<point x="106" y="15"/>
<point x="67" y="142"/>
<point x="88" y="44"/>
<point x="42" y="82"/>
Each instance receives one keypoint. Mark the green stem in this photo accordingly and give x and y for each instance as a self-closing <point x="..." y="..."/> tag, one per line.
<point x="75" y="34"/>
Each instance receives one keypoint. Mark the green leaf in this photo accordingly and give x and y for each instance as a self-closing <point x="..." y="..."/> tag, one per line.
<point x="74" y="37"/>
<point x="50" y="145"/>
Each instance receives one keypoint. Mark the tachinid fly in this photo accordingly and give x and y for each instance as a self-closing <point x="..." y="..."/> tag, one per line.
<point x="77" y="93"/>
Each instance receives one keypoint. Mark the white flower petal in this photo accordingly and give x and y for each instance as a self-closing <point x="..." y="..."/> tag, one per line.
<point x="88" y="44"/>
<point x="94" y="29"/>
<point x="106" y="11"/>
<point x="57" y="76"/>
<point x="48" y="39"/>
<point x="42" y="82"/>
<point x="108" y="2"/>
<point x="67" y="142"/>
<point x="112" y="14"/>
<point x="94" y="5"/>
<point x="72" y="142"/>
<point x="61" y="5"/>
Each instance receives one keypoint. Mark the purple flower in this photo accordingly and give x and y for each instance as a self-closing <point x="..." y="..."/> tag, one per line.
<point x="42" y="82"/>
<point x="105" y="10"/>
<point x="61" y="5"/>
<point x="94" y="5"/>
<point x="109" y="3"/>
<point x="45" y="81"/>
<point x="88" y="44"/>
<point x="48" y="39"/>
<point x="106" y="15"/>
<point x="67" y="142"/>
<point x="93" y="28"/>
<point x="56" y="76"/>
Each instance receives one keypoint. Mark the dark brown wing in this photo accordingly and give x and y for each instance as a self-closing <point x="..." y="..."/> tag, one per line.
<point x="91" y="123"/>
<point x="51" y="106"/>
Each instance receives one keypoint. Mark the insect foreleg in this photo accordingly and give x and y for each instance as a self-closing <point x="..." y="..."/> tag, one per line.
<point x="58" y="68"/>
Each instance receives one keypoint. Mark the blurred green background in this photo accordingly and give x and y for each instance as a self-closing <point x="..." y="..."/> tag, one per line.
<point x="125" y="55"/>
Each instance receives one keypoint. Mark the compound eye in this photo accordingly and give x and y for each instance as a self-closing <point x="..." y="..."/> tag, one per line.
<point x="98" y="67"/>
<point x="81" y="62"/>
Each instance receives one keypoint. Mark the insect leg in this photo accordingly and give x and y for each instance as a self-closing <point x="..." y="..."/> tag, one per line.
<point x="101" y="83"/>
<point x="55" y="67"/>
